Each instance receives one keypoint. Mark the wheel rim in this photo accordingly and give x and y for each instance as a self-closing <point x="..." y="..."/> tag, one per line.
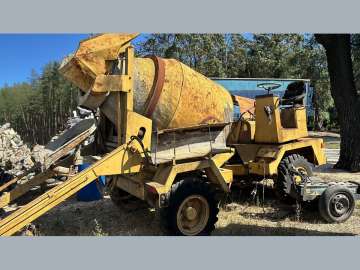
<point x="339" y="205"/>
<point x="302" y="170"/>
<point x="193" y="215"/>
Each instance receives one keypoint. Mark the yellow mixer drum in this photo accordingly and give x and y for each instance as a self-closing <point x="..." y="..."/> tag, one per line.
<point x="167" y="91"/>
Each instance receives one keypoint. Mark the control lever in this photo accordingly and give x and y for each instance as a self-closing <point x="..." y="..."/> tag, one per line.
<point x="268" y="111"/>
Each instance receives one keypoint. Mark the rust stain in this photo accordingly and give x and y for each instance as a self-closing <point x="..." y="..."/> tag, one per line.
<point x="159" y="79"/>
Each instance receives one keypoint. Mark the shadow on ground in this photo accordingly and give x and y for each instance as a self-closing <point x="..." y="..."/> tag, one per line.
<point x="255" y="230"/>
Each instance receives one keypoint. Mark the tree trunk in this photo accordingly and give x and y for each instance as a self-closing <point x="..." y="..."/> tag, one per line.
<point x="317" y="120"/>
<point x="346" y="98"/>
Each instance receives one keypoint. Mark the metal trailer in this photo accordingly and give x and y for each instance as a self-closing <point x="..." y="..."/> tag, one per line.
<point x="336" y="200"/>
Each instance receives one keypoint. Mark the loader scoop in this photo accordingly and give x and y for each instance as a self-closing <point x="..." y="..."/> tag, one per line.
<point x="55" y="151"/>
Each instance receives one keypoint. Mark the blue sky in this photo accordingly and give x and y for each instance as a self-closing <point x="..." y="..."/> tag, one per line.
<point x="20" y="53"/>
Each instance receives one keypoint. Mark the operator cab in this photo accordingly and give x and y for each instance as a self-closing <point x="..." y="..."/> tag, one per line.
<point x="280" y="120"/>
<point x="294" y="94"/>
<point x="275" y="119"/>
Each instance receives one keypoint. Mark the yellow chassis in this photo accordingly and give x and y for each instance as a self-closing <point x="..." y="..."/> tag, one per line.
<point x="264" y="159"/>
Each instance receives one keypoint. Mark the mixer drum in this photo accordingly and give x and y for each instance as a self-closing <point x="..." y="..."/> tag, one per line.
<point x="182" y="98"/>
<point x="170" y="93"/>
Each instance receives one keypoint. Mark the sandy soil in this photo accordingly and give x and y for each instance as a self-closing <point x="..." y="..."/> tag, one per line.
<point x="237" y="216"/>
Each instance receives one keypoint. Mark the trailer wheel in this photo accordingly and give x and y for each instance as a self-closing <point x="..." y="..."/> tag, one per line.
<point x="192" y="208"/>
<point x="283" y="182"/>
<point x="336" y="204"/>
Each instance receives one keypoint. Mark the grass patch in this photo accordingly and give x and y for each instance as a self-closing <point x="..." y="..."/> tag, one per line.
<point x="98" y="230"/>
<point x="332" y="145"/>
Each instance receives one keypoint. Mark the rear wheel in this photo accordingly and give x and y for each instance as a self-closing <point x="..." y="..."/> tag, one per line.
<point x="283" y="183"/>
<point x="336" y="204"/>
<point x="192" y="208"/>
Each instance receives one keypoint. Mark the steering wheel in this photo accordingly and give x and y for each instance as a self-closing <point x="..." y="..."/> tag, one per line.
<point x="269" y="86"/>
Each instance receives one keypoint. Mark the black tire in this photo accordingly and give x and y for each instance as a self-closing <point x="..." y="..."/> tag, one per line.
<point x="283" y="183"/>
<point x="336" y="204"/>
<point x="181" y="192"/>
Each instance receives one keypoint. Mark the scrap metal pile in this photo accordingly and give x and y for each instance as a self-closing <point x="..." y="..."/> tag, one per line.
<point x="15" y="155"/>
<point x="20" y="163"/>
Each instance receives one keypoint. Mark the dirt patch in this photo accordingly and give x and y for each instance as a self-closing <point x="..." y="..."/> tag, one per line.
<point x="99" y="218"/>
<point x="275" y="219"/>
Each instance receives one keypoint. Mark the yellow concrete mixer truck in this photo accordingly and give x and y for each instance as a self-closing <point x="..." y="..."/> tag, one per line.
<point x="165" y="133"/>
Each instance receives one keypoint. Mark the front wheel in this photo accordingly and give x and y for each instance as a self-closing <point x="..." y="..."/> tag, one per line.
<point x="192" y="208"/>
<point x="284" y="182"/>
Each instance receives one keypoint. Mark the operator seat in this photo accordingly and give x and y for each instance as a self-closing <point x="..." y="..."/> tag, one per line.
<point x="292" y="100"/>
<point x="294" y="94"/>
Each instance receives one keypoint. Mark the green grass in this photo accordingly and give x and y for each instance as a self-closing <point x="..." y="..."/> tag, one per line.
<point x="332" y="145"/>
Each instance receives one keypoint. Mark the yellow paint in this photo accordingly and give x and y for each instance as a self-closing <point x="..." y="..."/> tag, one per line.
<point x="237" y="169"/>
<point x="283" y="126"/>
<point x="112" y="83"/>
<point x="90" y="60"/>
<point x="227" y="175"/>
<point x="277" y="133"/>
<point x="259" y="156"/>
<point x="165" y="175"/>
